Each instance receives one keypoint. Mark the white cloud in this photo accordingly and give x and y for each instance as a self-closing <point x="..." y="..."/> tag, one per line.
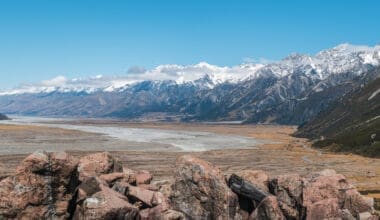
<point x="261" y="60"/>
<point x="178" y="73"/>
<point x="57" y="81"/>
<point x="324" y="62"/>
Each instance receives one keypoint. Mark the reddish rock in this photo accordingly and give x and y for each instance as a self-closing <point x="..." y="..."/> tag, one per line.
<point x="151" y="214"/>
<point x="165" y="187"/>
<point x="324" y="209"/>
<point x="140" y="194"/>
<point x="89" y="187"/>
<point x="258" y="178"/>
<point x="131" y="174"/>
<point x="42" y="187"/>
<point x="356" y="203"/>
<point x="268" y="209"/>
<point x="121" y="187"/>
<point x="288" y="189"/>
<point x="330" y="186"/>
<point x="200" y="191"/>
<point x="105" y="204"/>
<point x="368" y="216"/>
<point x="149" y="187"/>
<point x="322" y="187"/>
<point x="160" y="199"/>
<point x="98" y="164"/>
<point x="111" y="178"/>
<point x="143" y="177"/>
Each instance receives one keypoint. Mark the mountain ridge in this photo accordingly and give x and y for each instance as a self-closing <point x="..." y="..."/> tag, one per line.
<point x="252" y="93"/>
<point x="351" y="123"/>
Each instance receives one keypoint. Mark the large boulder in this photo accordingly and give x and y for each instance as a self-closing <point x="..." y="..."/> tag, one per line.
<point x="330" y="186"/>
<point x="325" y="209"/>
<point x="105" y="204"/>
<point x="112" y="178"/>
<point x="268" y="209"/>
<point x="143" y="177"/>
<point x="319" y="195"/>
<point x="98" y="164"/>
<point x="41" y="188"/>
<point x="153" y="204"/>
<point x="288" y="189"/>
<point x="258" y="178"/>
<point x="200" y="191"/>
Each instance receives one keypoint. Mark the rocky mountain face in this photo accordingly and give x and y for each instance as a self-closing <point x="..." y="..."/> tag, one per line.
<point x="291" y="91"/>
<point x="3" y="117"/>
<point x="97" y="186"/>
<point x="352" y="122"/>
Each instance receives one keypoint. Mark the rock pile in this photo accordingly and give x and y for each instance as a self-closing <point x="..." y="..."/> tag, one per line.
<point x="59" y="186"/>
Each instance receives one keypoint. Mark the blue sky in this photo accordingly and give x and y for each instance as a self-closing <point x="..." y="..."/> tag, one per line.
<point x="41" y="39"/>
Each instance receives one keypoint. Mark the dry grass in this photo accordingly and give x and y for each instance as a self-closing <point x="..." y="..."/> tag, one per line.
<point x="288" y="154"/>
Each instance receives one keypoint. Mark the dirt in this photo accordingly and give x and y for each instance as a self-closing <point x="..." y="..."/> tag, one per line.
<point x="285" y="154"/>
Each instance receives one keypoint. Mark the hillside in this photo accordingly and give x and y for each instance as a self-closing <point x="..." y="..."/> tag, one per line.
<point x="290" y="91"/>
<point x="3" y="117"/>
<point x="351" y="124"/>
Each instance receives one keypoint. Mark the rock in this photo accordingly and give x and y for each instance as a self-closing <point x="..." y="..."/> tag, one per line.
<point x="165" y="187"/>
<point x="149" y="187"/>
<point x="367" y="216"/>
<point x="258" y="178"/>
<point x="268" y="209"/>
<point x="150" y="214"/>
<point x="333" y="186"/>
<point x="41" y="187"/>
<point x="89" y="187"/>
<point x="161" y="206"/>
<point x="140" y="194"/>
<point x="288" y="189"/>
<point x="97" y="164"/>
<point x="200" y="191"/>
<point x="105" y="204"/>
<point x="249" y="194"/>
<point x="121" y="187"/>
<point x="356" y="203"/>
<point x="137" y="194"/>
<point x="324" y="209"/>
<point x="131" y="174"/>
<point x="47" y="186"/>
<point x="143" y="177"/>
<point x="111" y="178"/>
<point x="160" y="199"/>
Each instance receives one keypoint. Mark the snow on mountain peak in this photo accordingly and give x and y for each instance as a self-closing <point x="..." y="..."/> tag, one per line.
<point x="339" y="59"/>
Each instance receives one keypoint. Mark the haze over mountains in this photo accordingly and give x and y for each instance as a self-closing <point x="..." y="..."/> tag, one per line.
<point x="291" y="91"/>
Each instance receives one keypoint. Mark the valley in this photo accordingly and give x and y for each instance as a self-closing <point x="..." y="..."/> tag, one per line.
<point x="277" y="153"/>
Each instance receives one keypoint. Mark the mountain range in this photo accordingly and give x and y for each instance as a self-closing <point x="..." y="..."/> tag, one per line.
<point x="3" y="117"/>
<point x="351" y="121"/>
<point x="293" y="90"/>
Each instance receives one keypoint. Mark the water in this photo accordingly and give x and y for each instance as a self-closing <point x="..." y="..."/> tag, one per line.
<point x="181" y="139"/>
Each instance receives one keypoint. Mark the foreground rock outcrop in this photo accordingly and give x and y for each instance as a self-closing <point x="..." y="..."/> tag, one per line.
<point x="200" y="191"/>
<point x="97" y="186"/>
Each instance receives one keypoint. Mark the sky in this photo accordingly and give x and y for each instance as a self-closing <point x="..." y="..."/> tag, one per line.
<point x="43" y="39"/>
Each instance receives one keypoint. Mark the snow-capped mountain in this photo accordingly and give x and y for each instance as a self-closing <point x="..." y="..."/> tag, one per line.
<point x="351" y="123"/>
<point x="163" y="73"/>
<point x="290" y="91"/>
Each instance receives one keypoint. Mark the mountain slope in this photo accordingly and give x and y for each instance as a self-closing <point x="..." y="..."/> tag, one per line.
<point x="3" y="117"/>
<point x="291" y="91"/>
<point x="352" y="123"/>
